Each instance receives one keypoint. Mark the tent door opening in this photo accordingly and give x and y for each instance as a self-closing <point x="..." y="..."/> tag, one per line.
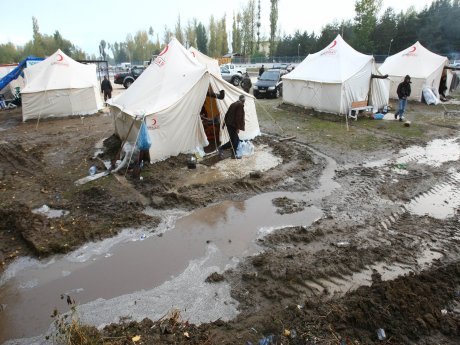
<point x="210" y="118"/>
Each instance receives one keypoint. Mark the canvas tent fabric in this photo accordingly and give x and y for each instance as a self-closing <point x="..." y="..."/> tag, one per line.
<point x="424" y="67"/>
<point x="211" y="64"/>
<point x="60" y="86"/>
<point x="169" y="95"/>
<point x="331" y="79"/>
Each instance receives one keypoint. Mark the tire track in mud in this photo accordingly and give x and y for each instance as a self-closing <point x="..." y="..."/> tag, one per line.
<point x="18" y="160"/>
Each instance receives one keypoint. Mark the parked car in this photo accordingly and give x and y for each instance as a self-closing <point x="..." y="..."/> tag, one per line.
<point x="285" y="66"/>
<point x="269" y="84"/>
<point x="127" y="78"/>
<point x="231" y="76"/>
<point x="234" y="68"/>
<point x="455" y="64"/>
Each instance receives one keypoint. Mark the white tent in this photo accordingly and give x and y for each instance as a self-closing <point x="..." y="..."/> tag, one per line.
<point x="331" y="79"/>
<point x="169" y="95"/>
<point x="424" y="67"/>
<point x="59" y="86"/>
<point x="211" y="64"/>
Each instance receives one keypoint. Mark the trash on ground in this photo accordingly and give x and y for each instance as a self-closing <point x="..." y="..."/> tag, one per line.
<point x="381" y="334"/>
<point x="342" y="244"/>
<point x="136" y="338"/>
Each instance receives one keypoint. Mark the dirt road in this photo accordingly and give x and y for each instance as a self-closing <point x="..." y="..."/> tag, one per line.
<point x="385" y="254"/>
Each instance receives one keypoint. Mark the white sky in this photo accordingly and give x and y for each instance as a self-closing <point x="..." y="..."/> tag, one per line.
<point x="86" y="23"/>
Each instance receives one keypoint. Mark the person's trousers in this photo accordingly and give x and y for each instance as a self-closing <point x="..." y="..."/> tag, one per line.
<point x="107" y="95"/>
<point x="402" y="107"/>
<point x="234" y="139"/>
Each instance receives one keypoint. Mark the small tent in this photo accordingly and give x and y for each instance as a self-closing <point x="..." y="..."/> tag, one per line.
<point x="170" y="95"/>
<point x="60" y="86"/>
<point x="331" y="79"/>
<point x="424" y="67"/>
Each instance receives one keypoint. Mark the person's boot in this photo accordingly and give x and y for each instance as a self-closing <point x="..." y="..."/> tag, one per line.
<point x="220" y="152"/>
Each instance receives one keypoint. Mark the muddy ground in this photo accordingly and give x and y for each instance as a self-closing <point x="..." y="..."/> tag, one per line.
<point x="310" y="285"/>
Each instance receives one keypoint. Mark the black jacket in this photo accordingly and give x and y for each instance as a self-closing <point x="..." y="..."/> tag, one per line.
<point x="106" y="85"/>
<point x="235" y="116"/>
<point x="403" y="90"/>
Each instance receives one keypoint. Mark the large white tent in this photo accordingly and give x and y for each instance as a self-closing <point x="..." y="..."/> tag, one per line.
<point x="331" y="79"/>
<point x="424" y="67"/>
<point x="169" y="96"/>
<point x="60" y="86"/>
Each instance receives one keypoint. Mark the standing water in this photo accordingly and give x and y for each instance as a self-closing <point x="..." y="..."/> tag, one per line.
<point x="141" y="273"/>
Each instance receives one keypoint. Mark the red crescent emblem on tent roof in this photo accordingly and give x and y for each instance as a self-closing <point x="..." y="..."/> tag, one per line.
<point x="333" y="44"/>
<point x="60" y="57"/>
<point x="164" y="50"/>
<point x="414" y="48"/>
<point x="193" y="53"/>
<point x="154" y="122"/>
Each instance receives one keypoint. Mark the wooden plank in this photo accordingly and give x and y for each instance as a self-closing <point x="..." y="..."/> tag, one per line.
<point x="359" y="104"/>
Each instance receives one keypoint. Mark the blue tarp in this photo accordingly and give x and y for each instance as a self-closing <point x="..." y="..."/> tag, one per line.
<point x="14" y="74"/>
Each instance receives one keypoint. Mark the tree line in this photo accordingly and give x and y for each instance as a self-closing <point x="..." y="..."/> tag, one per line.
<point x="436" y="26"/>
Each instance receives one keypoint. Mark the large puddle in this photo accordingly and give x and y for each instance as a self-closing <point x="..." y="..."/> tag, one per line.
<point x="146" y="272"/>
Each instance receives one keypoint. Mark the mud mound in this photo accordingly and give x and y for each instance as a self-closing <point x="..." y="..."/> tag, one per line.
<point x="111" y="146"/>
<point x="15" y="159"/>
<point x="407" y="308"/>
<point x="286" y="205"/>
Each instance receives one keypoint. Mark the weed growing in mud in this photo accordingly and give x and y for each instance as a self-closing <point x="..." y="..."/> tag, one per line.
<point x="69" y="330"/>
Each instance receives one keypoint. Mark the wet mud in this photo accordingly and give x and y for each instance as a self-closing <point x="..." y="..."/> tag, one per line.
<point x="384" y="255"/>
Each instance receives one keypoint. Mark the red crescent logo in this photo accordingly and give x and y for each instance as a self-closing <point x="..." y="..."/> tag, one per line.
<point x="154" y="122"/>
<point x="164" y="50"/>
<point x="60" y="57"/>
<point x="193" y="53"/>
<point x="333" y="44"/>
<point x="414" y="48"/>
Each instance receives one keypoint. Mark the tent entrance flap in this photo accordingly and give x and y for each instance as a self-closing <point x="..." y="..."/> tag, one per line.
<point x="210" y="119"/>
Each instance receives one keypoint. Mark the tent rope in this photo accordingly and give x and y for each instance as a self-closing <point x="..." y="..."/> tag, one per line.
<point x="271" y="117"/>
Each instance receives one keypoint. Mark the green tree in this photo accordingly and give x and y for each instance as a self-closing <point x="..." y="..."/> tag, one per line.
<point x="178" y="32"/>
<point x="201" y="38"/>
<point x="38" y="47"/>
<point x="236" y="34"/>
<point x="190" y="33"/>
<point x="213" y="49"/>
<point x="273" y="25"/>
<point x="248" y="27"/>
<point x="385" y="32"/>
<point x="365" y="23"/>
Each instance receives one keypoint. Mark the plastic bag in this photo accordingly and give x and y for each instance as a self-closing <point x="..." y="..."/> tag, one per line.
<point x="144" y="142"/>
<point x="429" y="96"/>
<point x="245" y="148"/>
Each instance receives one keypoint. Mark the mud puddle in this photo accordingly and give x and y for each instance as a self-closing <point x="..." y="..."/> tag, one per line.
<point x="146" y="272"/>
<point x="436" y="153"/>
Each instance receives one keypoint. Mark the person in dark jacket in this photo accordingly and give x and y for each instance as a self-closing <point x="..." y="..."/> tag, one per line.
<point x="261" y="70"/>
<point x="234" y="120"/>
<point x="246" y="83"/>
<point x="106" y="88"/>
<point x="443" y="87"/>
<point x="403" y="92"/>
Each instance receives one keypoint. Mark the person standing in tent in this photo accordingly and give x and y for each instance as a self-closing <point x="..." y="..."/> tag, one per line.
<point x="234" y="120"/>
<point x="106" y="88"/>
<point x="403" y="92"/>
<point x="261" y="70"/>
<point x="246" y="83"/>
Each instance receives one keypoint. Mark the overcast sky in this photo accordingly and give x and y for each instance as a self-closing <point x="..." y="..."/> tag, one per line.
<point x="86" y="23"/>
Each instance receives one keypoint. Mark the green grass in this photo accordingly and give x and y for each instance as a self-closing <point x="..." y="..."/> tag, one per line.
<point x="365" y="134"/>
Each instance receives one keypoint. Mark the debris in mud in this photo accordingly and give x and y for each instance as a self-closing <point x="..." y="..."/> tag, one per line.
<point x="255" y="174"/>
<point x="287" y="206"/>
<point x="215" y="278"/>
